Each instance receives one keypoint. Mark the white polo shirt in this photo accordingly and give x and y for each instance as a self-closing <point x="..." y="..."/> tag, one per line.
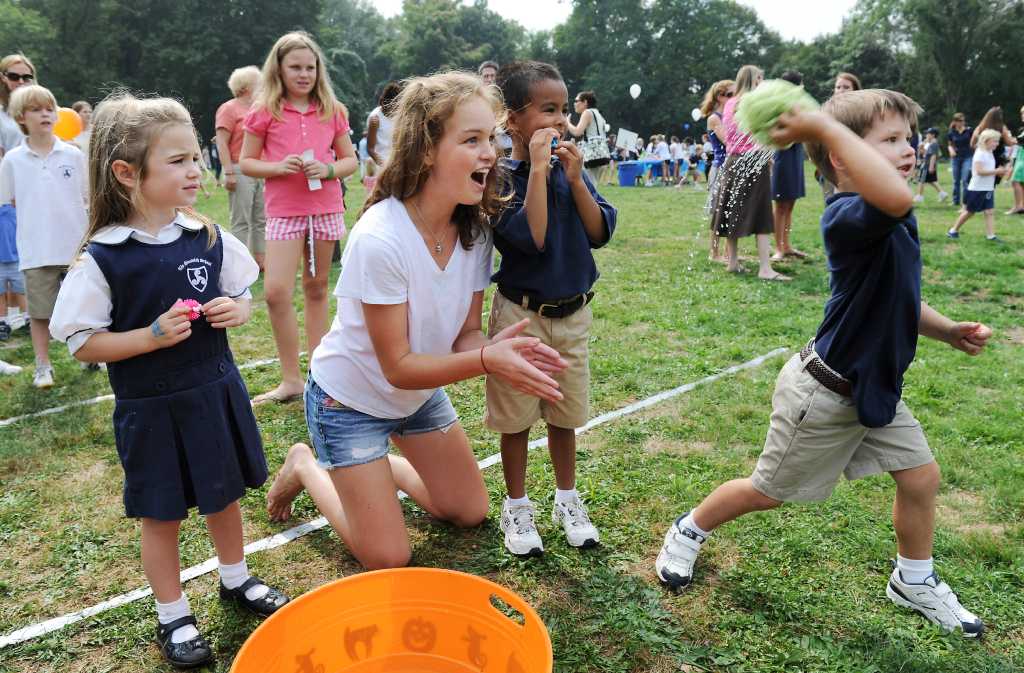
<point x="50" y="193"/>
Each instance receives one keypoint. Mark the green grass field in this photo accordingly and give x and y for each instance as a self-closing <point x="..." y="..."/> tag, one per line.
<point x="801" y="588"/>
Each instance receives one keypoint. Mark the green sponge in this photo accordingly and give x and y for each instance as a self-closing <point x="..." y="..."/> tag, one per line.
<point x="758" y="110"/>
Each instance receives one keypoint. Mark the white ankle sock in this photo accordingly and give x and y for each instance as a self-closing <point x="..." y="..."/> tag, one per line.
<point x="688" y="522"/>
<point x="168" y="612"/>
<point x="515" y="502"/>
<point x="235" y="575"/>
<point x="565" y="496"/>
<point x="914" y="571"/>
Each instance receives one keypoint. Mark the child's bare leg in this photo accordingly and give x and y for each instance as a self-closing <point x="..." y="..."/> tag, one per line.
<point x="730" y="501"/>
<point x="314" y="290"/>
<point x="562" y="447"/>
<point x="990" y="224"/>
<point x="963" y="217"/>
<point x="513" y="462"/>
<point x="160" y="559"/>
<point x="40" y="328"/>
<point x="714" y="254"/>
<point x="913" y="510"/>
<point x="283" y="257"/>
<point x="225" y="529"/>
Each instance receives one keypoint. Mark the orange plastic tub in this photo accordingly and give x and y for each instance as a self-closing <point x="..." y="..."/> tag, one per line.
<point x="405" y="620"/>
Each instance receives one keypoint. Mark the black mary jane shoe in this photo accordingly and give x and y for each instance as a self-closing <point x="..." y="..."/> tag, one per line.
<point x="266" y="605"/>
<point x="189" y="654"/>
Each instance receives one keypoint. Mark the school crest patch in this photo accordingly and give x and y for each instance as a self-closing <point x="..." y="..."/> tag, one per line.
<point x="197" y="277"/>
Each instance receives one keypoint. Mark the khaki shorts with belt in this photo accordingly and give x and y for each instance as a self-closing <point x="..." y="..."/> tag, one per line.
<point x="510" y="411"/>
<point x="248" y="220"/>
<point x="814" y="437"/>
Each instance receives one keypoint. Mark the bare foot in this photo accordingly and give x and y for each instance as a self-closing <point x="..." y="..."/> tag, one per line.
<point x="286" y="485"/>
<point x="282" y="394"/>
<point x="778" y="257"/>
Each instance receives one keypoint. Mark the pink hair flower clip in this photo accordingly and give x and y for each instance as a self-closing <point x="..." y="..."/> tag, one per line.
<point x="195" y="308"/>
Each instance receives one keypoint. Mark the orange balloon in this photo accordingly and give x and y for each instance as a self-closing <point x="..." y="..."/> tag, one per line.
<point x="68" y="125"/>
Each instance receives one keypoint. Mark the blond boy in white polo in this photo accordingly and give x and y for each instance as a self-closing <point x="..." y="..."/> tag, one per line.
<point x="45" y="178"/>
<point x="837" y="408"/>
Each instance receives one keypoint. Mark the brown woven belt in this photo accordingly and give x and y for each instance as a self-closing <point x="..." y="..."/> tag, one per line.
<point x="822" y="373"/>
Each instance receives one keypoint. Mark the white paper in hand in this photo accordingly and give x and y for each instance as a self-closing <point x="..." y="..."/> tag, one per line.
<point x="314" y="183"/>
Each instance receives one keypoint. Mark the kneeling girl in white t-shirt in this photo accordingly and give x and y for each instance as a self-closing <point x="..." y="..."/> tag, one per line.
<point x="410" y="298"/>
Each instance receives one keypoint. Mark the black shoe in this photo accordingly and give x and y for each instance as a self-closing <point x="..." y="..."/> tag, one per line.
<point x="189" y="654"/>
<point x="267" y="605"/>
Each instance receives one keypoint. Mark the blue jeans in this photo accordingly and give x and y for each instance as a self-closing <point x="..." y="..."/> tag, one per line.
<point x="961" y="176"/>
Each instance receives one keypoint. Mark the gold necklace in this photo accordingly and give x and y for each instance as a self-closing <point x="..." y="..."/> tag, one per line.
<point x="438" y="247"/>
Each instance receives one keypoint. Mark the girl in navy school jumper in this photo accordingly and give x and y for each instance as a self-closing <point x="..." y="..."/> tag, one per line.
<point x="184" y="426"/>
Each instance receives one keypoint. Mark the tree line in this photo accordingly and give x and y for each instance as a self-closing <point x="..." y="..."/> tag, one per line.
<point x="949" y="55"/>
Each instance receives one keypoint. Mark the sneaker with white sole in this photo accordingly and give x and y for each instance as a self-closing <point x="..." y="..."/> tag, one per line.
<point x="943" y="196"/>
<point x="93" y="366"/>
<point x="678" y="555"/>
<point x="936" y="601"/>
<point x="918" y="198"/>
<point x="8" y="369"/>
<point x="43" y="377"/>
<point x="521" y="536"/>
<point x="579" y="531"/>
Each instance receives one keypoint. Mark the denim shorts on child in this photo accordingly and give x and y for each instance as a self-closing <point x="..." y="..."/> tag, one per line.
<point x="343" y="437"/>
<point x="11" y="279"/>
<point x="325" y="227"/>
<point x="814" y="437"/>
<point x="979" y="202"/>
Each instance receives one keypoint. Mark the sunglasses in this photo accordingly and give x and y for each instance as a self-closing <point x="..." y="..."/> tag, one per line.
<point x="15" y="77"/>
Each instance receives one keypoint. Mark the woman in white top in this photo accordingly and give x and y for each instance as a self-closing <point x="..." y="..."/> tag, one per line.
<point x="379" y="126"/>
<point x="592" y="128"/>
<point x="410" y="297"/>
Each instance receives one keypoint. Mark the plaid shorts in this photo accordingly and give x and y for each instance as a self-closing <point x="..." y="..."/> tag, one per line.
<point x="325" y="227"/>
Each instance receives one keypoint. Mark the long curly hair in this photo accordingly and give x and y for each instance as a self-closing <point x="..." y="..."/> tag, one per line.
<point x="420" y="113"/>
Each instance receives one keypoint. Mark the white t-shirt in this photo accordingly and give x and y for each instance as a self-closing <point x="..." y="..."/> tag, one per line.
<point x="676" y="149"/>
<point x="662" y="150"/>
<point x="387" y="262"/>
<point x="385" y="128"/>
<point x="982" y="183"/>
<point x="50" y="193"/>
<point x="84" y="306"/>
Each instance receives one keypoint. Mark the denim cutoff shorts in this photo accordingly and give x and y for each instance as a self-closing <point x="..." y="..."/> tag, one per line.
<point x="343" y="437"/>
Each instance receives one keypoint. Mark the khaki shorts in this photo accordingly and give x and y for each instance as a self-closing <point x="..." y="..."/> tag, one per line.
<point x="41" y="287"/>
<point x="815" y="436"/>
<point x="248" y="220"/>
<point x="510" y="411"/>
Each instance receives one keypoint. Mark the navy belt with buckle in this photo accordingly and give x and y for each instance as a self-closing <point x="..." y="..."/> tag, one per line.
<point x="547" y="308"/>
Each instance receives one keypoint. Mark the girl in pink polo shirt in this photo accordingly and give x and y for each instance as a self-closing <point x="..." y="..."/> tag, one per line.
<point x="296" y="136"/>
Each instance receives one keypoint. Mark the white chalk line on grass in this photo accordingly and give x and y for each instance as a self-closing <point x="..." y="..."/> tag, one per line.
<point x="283" y="538"/>
<point x="109" y="397"/>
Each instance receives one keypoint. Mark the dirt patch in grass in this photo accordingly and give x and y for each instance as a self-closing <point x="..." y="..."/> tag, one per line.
<point x="962" y="511"/>
<point x="675" y="447"/>
<point x="1015" y="335"/>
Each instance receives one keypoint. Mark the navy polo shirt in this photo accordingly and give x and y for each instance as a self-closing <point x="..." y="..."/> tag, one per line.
<point x="565" y="267"/>
<point x="869" y="334"/>
<point x="961" y="141"/>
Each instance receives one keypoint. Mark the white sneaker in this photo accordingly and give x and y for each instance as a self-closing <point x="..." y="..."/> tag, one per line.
<point x="943" y="196"/>
<point x="9" y="369"/>
<point x="521" y="536"/>
<point x="918" y="198"/>
<point x="936" y="601"/>
<point x="579" y="531"/>
<point x="43" y="377"/>
<point x="93" y="366"/>
<point x="678" y="556"/>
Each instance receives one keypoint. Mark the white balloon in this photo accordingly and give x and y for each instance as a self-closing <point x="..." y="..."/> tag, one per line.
<point x="634" y="91"/>
<point x="695" y="113"/>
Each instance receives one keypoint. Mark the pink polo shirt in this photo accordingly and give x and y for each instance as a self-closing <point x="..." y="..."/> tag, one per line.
<point x="736" y="141"/>
<point x="289" y="195"/>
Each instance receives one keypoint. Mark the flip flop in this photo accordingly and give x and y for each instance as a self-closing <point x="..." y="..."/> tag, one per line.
<point x="799" y="254"/>
<point x="777" y="278"/>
